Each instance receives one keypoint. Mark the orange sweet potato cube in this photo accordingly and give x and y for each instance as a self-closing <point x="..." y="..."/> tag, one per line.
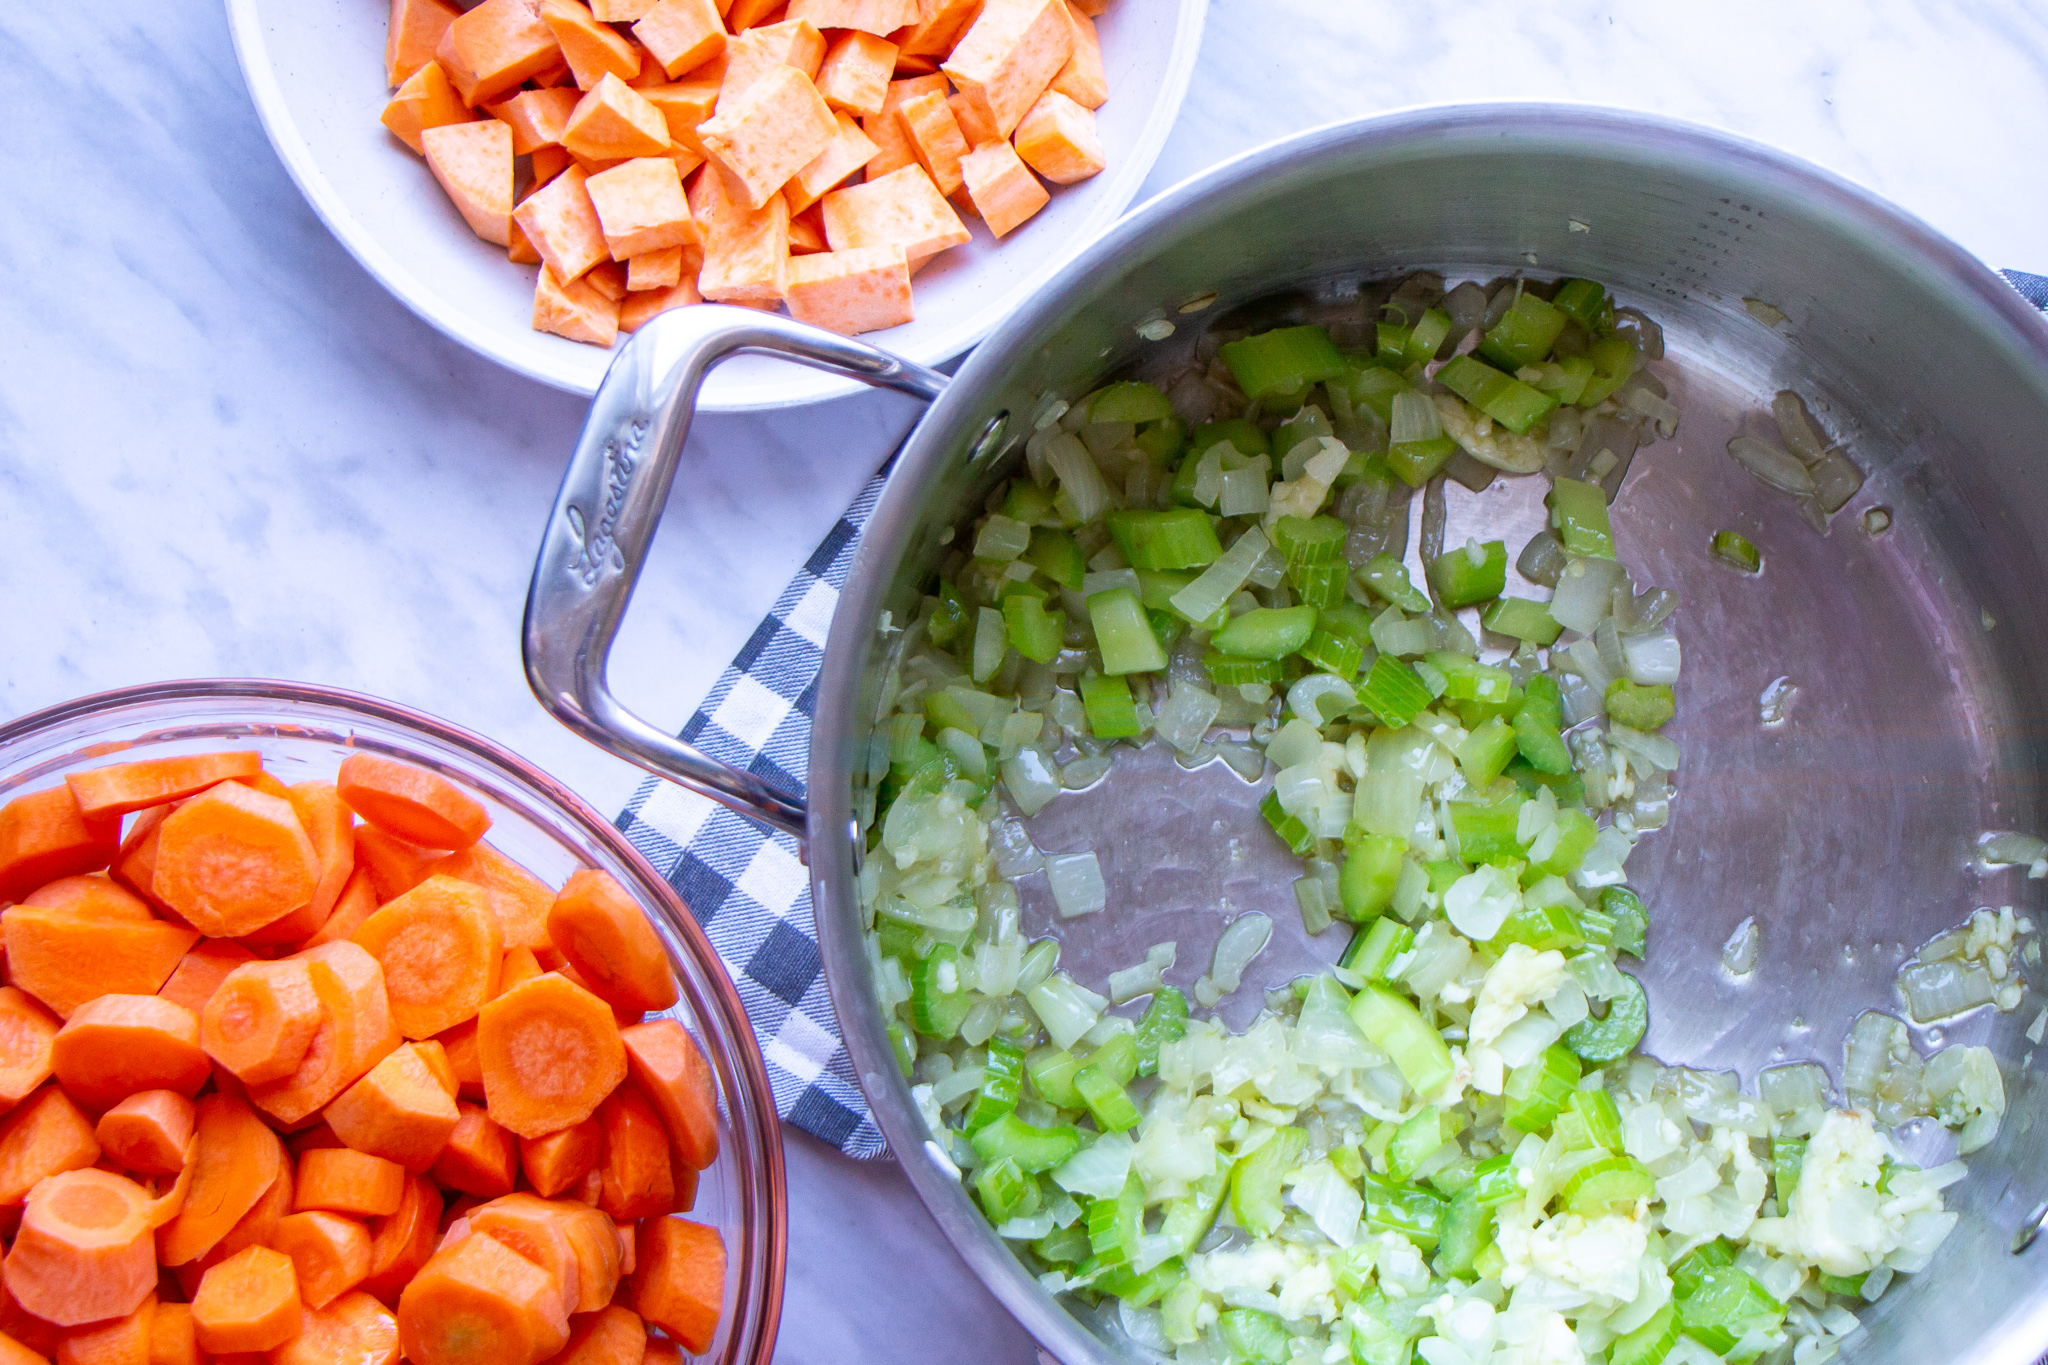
<point x="537" y="117"/>
<point x="879" y="17"/>
<point x="575" y="310"/>
<point x="1008" y="57"/>
<point x="614" y="121"/>
<point x="684" y="105"/>
<point x="590" y="48"/>
<point x="639" y="309"/>
<point x="415" y="31"/>
<point x="903" y="208"/>
<point x="607" y="278"/>
<point x="746" y="251"/>
<point x="1058" y="140"/>
<point x="769" y="133"/>
<point x="745" y="14"/>
<point x="973" y="126"/>
<point x="473" y="162"/>
<point x="850" y="150"/>
<point x="658" y="269"/>
<point x="562" y="224"/>
<point x="426" y="100"/>
<point x="1082" y="79"/>
<point x="807" y="231"/>
<point x="759" y="51"/>
<point x="940" y="27"/>
<point x="860" y="290"/>
<point x="494" y="47"/>
<point x="894" y="149"/>
<point x="1001" y="188"/>
<point x="936" y="138"/>
<point x="681" y="35"/>
<point x="547" y="163"/>
<point x="641" y="207"/>
<point x="854" y="77"/>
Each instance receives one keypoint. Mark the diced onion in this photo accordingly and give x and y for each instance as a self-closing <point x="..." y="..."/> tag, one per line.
<point x="1030" y="780"/>
<point x="1242" y="940"/>
<point x="1652" y="658"/>
<point x="1585" y="593"/>
<point x="1738" y="954"/>
<point x="1076" y="882"/>
<point x="1185" y="716"/>
<point x="1079" y="476"/>
<point x="1936" y="990"/>
<point x="1773" y="464"/>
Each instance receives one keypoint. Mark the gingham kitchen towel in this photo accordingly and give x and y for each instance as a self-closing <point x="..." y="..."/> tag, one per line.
<point x="746" y="884"/>
<point x="2033" y="288"/>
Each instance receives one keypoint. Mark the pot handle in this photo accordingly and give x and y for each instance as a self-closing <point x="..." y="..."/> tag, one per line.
<point x="610" y="502"/>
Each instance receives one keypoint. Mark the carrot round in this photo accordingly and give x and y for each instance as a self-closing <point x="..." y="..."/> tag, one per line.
<point x="342" y="1180"/>
<point x="393" y="865"/>
<point x="599" y="1251"/>
<point x="605" y="935"/>
<point x="84" y="1250"/>
<point x="667" y="1063"/>
<point x="537" y="1230"/>
<point x="43" y="1135"/>
<point x="401" y="1244"/>
<point x="261" y="1019"/>
<point x="64" y="959"/>
<point x="239" y="1158"/>
<point x="123" y="788"/>
<point x="148" y="1131"/>
<point x="356" y="1032"/>
<point x="331" y="829"/>
<point x="330" y="1254"/>
<point x="254" y="1227"/>
<point x="199" y="973"/>
<point x="116" y="1341"/>
<point x="355" y="1329"/>
<point x="441" y="950"/>
<point x="611" y="1336"/>
<point x="410" y="802"/>
<point x="172" y="1338"/>
<point x="479" y="1157"/>
<point x="549" y="1051"/>
<point x="637" y="1181"/>
<point x="557" y="1161"/>
<point x="357" y="902"/>
<point x="679" y="1281"/>
<point x="116" y="1045"/>
<point x="399" y="1111"/>
<point x="233" y="860"/>
<point x="478" y="1302"/>
<point x="26" y="1032"/>
<point x="44" y="835"/>
<point x="519" y="899"/>
<point x="91" y="896"/>
<point x="249" y="1302"/>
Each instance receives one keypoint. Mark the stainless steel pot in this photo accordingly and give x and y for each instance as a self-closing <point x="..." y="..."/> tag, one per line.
<point x="1916" y="653"/>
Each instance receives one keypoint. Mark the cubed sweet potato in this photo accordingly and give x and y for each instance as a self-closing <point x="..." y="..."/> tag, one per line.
<point x="939" y="28"/>
<point x="473" y="162"/>
<point x="854" y="76"/>
<point x="746" y="251"/>
<point x="641" y="207"/>
<point x="537" y="117"/>
<point x="859" y="290"/>
<point x="658" y="269"/>
<point x="614" y="121"/>
<point x="590" y="48"/>
<point x="1058" y="140"/>
<point x="769" y="133"/>
<point x="848" y="151"/>
<point x="683" y="106"/>
<point x="903" y="208"/>
<point x="641" y="308"/>
<point x="1009" y="56"/>
<point x="974" y="126"/>
<point x="1001" y="188"/>
<point x="757" y="52"/>
<point x="494" y="47"/>
<point x="681" y="35"/>
<point x="562" y="224"/>
<point x="879" y="17"/>
<point x="414" y="32"/>
<point x="936" y="138"/>
<point x="575" y="310"/>
<point x="807" y="232"/>
<point x="1082" y="79"/>
<point x="426" y="100"/>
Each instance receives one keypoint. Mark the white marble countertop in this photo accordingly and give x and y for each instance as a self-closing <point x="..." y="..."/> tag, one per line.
<point x="224" y="450"/>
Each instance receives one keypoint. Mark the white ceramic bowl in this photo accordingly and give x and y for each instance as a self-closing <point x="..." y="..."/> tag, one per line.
<point x="315" y="69"/>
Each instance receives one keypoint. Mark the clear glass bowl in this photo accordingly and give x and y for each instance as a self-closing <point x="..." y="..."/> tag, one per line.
<point x="304" y="732"/>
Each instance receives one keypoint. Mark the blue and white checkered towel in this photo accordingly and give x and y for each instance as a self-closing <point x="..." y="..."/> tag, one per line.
<point x="747" y="885"/>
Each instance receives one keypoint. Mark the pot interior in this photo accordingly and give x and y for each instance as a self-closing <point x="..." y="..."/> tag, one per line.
<point x="1848" y="829"/>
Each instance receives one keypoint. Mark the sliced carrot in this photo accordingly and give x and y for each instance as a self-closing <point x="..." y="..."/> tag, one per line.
<point x="395" y="866"/>
<point x="441" y="950"/>
<point x="125" y="788"/>
<point x="610" y="1336"/>
<point x="410" y="802"/>
<point x="43" y="1135"/>
<point x="13" y="1352"/>
<point x="26" y="1032"/>
<point x="535" y="1229"/>
<point x="667" y="1063"/>
<point x="254" y="1227"/>
<point x="91" y="896"/>
<point x="261" y="1019"/>
<point x="65" y="960"/>
<point x="239" y="1158"/>
<point x="171" y="1202"/>
<point x="519" y="965"/>
<point x="330" y="1254"/>
<point x="116" y="1045"/>
<point x="199" y="973"/>
<point x="331" y="829"/>
<point x="358" y="901"/>
<point x="637" y="1181"/>
<point x="464" y="1062"/>
<point x="679" y="1283"/>
<point x="355" y="1329"/>
<point x="605" y="935"/>
<point x="356" y="1032"/>
<point x="401" y="1244"/>
<point x="234" y="859"/>
<point x="600" y="1256"/>
<point x="623" y="1017"/>
<point x="173" y="1340"/>
<point x="557" y="1161"/>
<point x="249" y="1302"/>
<point x="435" y="1057"/>
<point x="84" y="1250"/>
<point x="117" y="1341"/>
<point x="479" y="1157"/>
<point x="343" y="1180"/>
<point x="478" y="1302"/>
<point x="44" y="835"/>
<point x="148" y="1131"/>
<point x="400" y="1111"/>
<point x="134" y="866"/>
<point x="25" y="1327"/>
<point x="661" y="1351"/>
<point x="519" y="898"/>
<point x="549" y="1052"/>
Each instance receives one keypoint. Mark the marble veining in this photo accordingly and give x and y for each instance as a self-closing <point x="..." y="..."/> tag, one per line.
<point x="225" y="450"/>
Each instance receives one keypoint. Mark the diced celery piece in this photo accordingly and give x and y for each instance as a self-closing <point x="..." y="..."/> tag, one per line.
<point x="1541" y="927"/>
<point x="1117" y="1058"/>
<point x="1640" y="707"/>
<point x="1295" y="834"/>
<point x="1392" y="692"/>
<point x="1603" y="1121"/>
<point x="1614" y="360"/>
<point x="1566" y="379"/>
<point x="1462" y="578"/>
<point x="1410" y="1210"/>
<point x="1394" y="1025"/>
<point x="1486" y="833"/>
<point x="1734" y="548"/>
<point x="1788" y="1157"/>
<point x="939" y="1000"/>
<point x="1373" y="949"/>
<point x="1631" y="918"/>
<point x="1415" y="461"/>
<point x="1002" y="1082"/>
<point x="1387" y="577"/>
<point x="1031" y="1147"/>
<point x="1537" y="726"/>
<point x="1725" y="1305"/>
<point x="1536" y="1091"/>
<point x="1055" y="554"/>
<point x="905" y="1048"/>
<point x="1372" y="865"/>
<point x="1466" y="679"/>
<point x="1333" y="653"/>
<point x="1235" y="432"/>
<point x="1309" y="540"/>
<point x="1002" y="1187"/>
<point x="950" y="618"/>
<point x="944" y="709"/>
<point x="1319" y="585"/>
<point x="1575" y="834"/>
<point x="1255" y="1179"/>
<point x="1129" y="401"/>
<point x="1124" y="634"/>
<point x="1051" y="1070"/>
<point x="1485" y="753"/>
<point x="1578" y="518"/>
<point x="1525" y="333"/>
<point x="1106" y="701"/>
<point x="1106" y="1100"/>
<point x="1028" y="503"/>
<point x="1600" y="1041"/>
<point x="1504" y="398"/>
<point x="1392" y="348"/>
<point x="1189" y="1218"/>
<point x="1649" y="1343"/>
<point x="1114" y="1224"/>
<point x="1584" y="301"/>
<point x="1253" y="1336"/>
<point x="1467" y="1231"/>
<point x="1139" y="1290"/>
<point x="1427" y="335"/>
<point x="1266" y="632"/>
<point x="1283" y="362"/>
<point x="1180" y="538"/>
<point x="1494" y="1182"/>
<point x="1033" y="632"/>
<point x="1521" y="618"/>
<point x="1163" y="440"/>
<point x="1372" y="386"/>
<point x="1164" y="1021"/>
<point x="1418" y="1138"/>
<point x="1227" y="670"/>
<point x="1063" y="1246"/>
<point x="1348" y="619"/>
